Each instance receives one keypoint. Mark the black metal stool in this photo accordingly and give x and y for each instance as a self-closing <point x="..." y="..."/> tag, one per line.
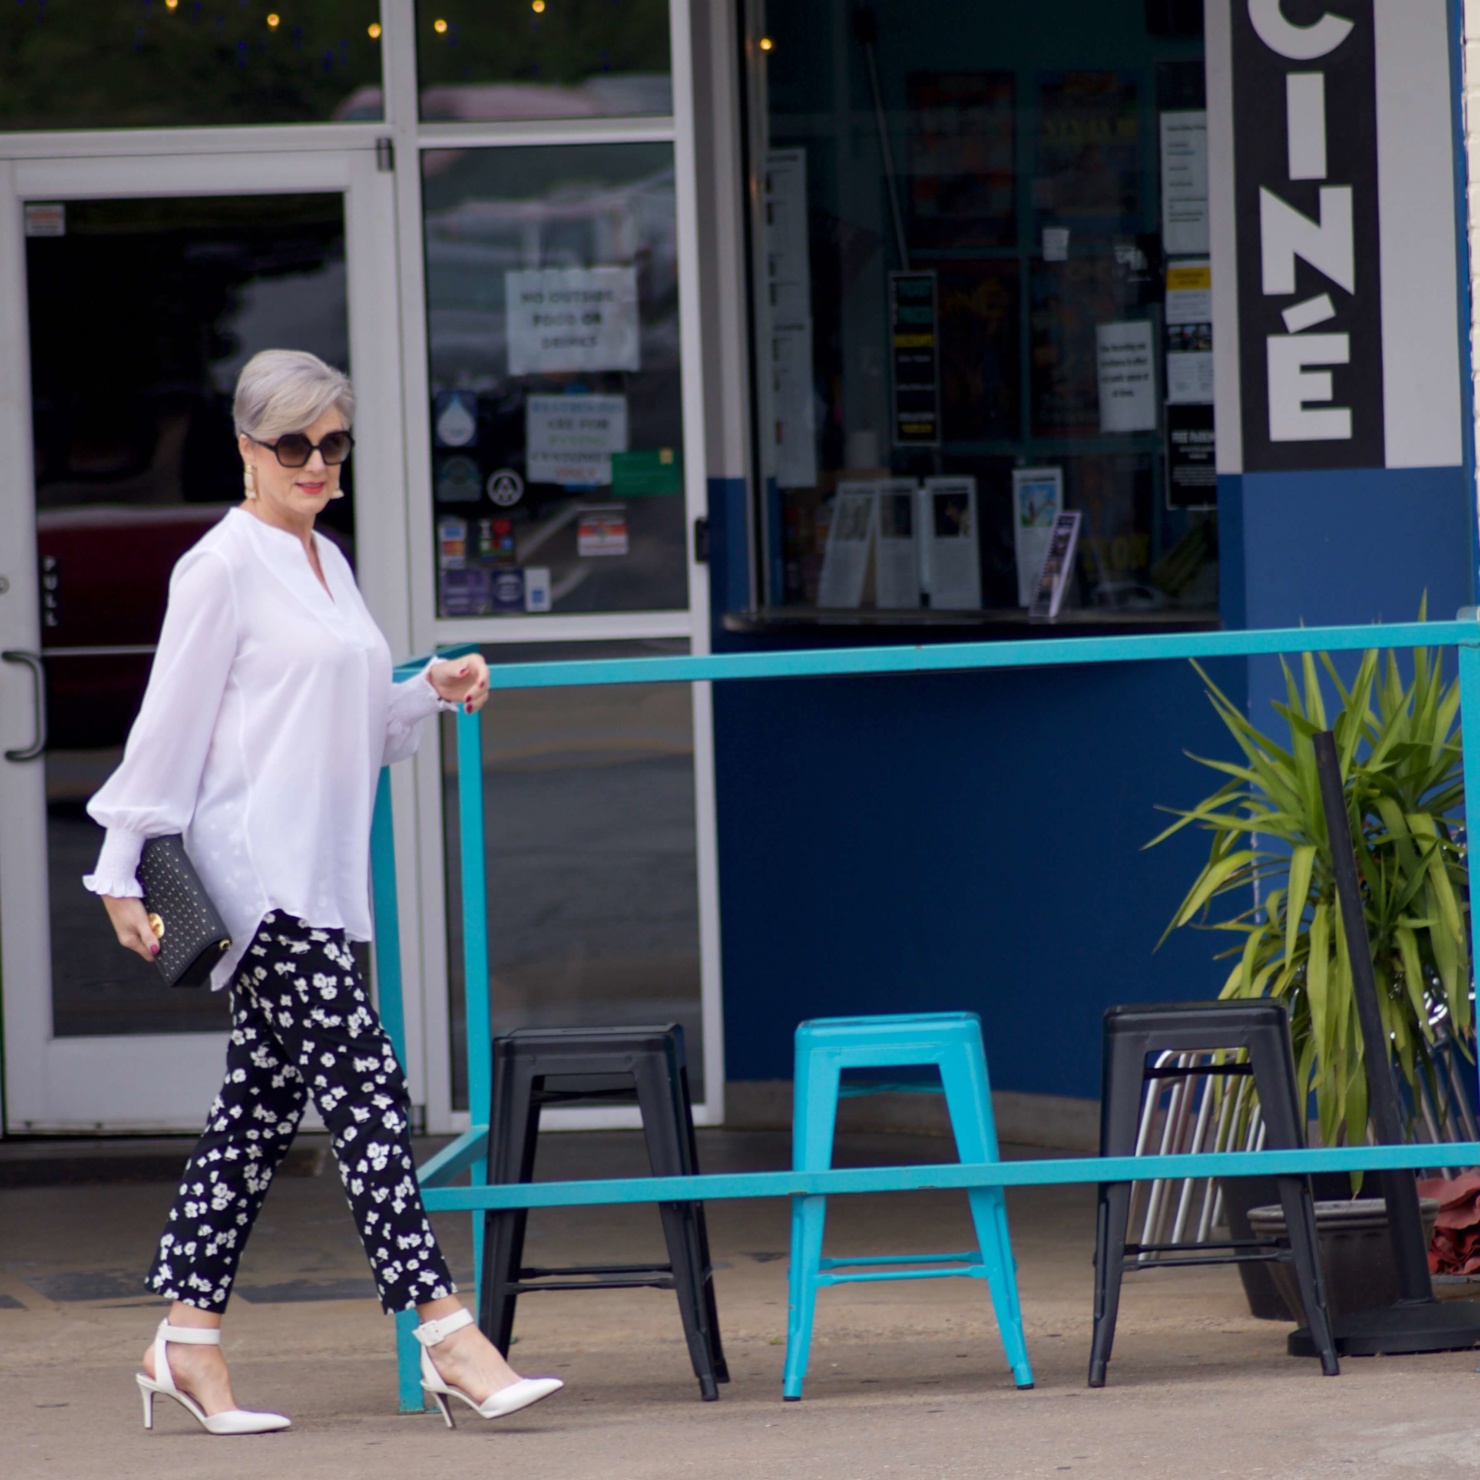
<point x="1131" y="1034"/>
<point x="652" y="1059"/>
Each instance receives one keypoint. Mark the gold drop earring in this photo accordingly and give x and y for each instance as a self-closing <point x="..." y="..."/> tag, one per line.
<point x="249" y="480"/>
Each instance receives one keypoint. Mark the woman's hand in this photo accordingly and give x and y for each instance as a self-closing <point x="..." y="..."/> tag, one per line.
<point x="461" y="681"/>
<point x="131" y="922"/>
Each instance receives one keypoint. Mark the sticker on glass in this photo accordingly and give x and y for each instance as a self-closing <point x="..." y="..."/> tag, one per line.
<point x="602" y="531"/>
<point x="455" y="418"/>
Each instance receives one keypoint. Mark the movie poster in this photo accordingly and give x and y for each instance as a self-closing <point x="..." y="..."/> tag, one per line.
<point x="1069" y="301"/>
<point x="961" y="188"/>
<point x="1088" y="174"/>
<point x="980" y="350"/>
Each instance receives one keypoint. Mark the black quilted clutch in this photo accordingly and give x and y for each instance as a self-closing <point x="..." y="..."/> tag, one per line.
<point x="191" y="934"/>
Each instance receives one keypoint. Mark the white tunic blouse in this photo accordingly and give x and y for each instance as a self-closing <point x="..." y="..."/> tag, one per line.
<point x="269" y="713"/>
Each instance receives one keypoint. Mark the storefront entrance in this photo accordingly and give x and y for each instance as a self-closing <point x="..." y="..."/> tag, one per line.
<point x="133" y="291"/>
<point x="500" y="243"/>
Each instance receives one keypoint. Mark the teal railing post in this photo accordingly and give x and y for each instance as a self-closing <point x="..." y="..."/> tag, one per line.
<point x="391" y="1005"/>
<point x="478" y="1017"/>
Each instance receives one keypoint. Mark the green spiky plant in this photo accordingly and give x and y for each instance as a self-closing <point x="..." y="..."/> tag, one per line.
<point x="1270" y="860"/>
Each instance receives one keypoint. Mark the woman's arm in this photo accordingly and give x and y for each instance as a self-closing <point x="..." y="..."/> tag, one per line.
<point x="442" y="684"/>
<point x="153" y="791"/>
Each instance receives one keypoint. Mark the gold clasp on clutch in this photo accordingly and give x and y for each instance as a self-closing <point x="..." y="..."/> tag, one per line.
<point x="157" y="926"/>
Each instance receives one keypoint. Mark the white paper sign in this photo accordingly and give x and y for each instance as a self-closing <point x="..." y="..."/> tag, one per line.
<point x="570" y="439"/>
<point x="950" y="565"/>
<point x="1190" y="379"/>
<point x="1127" y="369"/>
<point x="849" y="539"/>
<point x="1037" y="500"/>
<point x="1184" y="183"/>
<point x="789" y="310"/>
<point x="572" y="318"/>
<point x="897" y="554"/>
<point x="1190" y="293"/>
<point x="791" y="396"/>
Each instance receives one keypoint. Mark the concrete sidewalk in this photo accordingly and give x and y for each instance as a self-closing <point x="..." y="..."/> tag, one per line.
<point x="907" y="1379"/>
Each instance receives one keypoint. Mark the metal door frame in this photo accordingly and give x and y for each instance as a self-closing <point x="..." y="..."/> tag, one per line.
<point x="163" y="1081"/>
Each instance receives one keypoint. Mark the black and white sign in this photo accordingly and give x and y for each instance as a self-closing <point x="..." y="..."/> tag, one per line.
<point x="1334" y="183"/>
<point x="1310" y="297"/>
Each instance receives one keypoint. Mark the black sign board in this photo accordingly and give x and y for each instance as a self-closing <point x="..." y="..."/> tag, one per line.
<point x="914" y="340"/>
<point x="1309" y="303"/>
<point x="1192" y="472"/>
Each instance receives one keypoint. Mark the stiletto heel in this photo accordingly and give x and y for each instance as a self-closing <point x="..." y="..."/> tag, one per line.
<point x="233" y="1421"/>
<point x="505" y="1401"/>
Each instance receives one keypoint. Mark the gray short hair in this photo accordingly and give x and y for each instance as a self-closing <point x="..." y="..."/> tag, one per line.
<point x="286" y="390"/>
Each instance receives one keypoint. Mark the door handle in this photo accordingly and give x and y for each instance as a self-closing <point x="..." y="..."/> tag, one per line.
<point x="38" y="675"/>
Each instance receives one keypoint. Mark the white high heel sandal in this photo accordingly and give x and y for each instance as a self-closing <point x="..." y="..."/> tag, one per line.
<point x="505" y="1401"/>
<point x="233" y="1421"/>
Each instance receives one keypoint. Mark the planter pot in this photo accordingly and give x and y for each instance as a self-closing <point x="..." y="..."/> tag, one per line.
<point x="1240" y="1194"/>
<point x="1356" y="1252"/>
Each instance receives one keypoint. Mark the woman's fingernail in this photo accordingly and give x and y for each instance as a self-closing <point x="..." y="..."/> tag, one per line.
<point x="154" y="950"/>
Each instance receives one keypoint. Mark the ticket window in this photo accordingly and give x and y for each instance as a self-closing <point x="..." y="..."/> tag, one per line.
<point x="984" y="301"/>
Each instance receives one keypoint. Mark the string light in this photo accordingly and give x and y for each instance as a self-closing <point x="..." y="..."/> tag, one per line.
<point x="538" y="6"/>
<point x="766" y="43"/>
<point x="171" y="4"/>
<point x="375" y="30"/>
<point x="272" y="21"/>
<point x="440" y="27"/>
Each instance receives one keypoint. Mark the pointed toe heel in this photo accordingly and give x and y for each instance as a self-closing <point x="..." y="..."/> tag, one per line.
<point x="507" y="1400"/>
<point x="233" y="1421"/>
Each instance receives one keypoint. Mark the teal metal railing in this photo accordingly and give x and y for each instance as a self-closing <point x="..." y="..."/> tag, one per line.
<point x="467" y="1154"/>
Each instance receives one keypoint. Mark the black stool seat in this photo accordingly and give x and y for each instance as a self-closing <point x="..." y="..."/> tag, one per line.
<point x="1262" y="1028"/>
<point x="534" y="1067"/>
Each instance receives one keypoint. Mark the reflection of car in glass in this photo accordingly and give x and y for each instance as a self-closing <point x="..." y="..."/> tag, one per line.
<point x="105" y="574"/>
<point x="471" y="245"/>
<point x="614" y="95"/>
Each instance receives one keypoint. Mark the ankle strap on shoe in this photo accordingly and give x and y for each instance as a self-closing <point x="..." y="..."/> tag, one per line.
<point x="191" y="1335"/>
<point x="432" y="1333"/>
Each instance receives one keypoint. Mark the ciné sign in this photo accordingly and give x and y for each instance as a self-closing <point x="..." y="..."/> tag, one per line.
<point x="1305" y="167"/>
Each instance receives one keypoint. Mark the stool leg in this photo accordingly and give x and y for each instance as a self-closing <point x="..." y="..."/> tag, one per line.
<point x="1123" y="1084"/>
<point x="512" y="1137"/>
<point x="706" y="1263"/>
<point x="1300" y="1226"/>
<point x="1273" y="1062"/>
<point x="1112" y="1215"/>
<point x="808" y="1217"/>
<point x="963" y="1073"/>
<point x="813" y="1121"/>
<point x="658" y="1098"/>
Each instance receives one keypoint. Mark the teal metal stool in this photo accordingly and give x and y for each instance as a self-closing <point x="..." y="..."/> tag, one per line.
<point x="952" y="1041"/>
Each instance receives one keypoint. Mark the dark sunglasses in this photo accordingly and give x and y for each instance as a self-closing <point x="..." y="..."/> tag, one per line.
<point x="294" y="449"/>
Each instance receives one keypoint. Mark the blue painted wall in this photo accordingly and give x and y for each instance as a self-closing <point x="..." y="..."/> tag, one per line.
<point x="957" y="841"/>
<point x="1363" y="545"/>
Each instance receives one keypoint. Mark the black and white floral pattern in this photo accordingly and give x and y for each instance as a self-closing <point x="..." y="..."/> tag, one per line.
<point x="302" y="1027"/>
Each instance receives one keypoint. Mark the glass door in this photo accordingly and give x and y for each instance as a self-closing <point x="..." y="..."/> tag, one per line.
<point x="132" y="291"/>
<point x="556" y="455"/>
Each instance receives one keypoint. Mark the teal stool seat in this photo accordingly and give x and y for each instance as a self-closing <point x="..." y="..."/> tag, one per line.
<point x="952" y="1041"/>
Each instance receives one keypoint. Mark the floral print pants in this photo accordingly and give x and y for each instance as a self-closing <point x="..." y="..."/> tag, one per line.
<point x="301" y="1026"/>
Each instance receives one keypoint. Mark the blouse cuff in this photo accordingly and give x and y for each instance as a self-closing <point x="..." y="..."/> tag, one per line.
<point x="437" y="705"/>
<point x="116" y="874"/>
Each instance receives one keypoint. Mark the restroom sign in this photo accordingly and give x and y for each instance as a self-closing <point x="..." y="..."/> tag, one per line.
<point x="1335" y="223"/>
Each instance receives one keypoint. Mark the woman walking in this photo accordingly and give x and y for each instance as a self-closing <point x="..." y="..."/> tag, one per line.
<point x="269" y="713"/>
